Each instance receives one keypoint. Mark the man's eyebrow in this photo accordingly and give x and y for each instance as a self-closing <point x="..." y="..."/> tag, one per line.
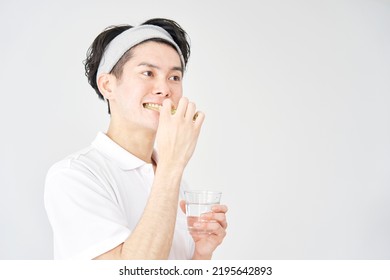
<point x="175" y="68"/>
<point x="148" y="65"/>
<point x="178" y="68"/>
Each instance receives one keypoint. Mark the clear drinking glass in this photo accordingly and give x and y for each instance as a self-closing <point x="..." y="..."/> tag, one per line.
<point x="199" y="202"/>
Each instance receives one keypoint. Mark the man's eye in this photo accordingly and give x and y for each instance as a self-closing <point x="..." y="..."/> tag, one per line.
<point x="175" y="78"/>
<point x="147" y="73"/>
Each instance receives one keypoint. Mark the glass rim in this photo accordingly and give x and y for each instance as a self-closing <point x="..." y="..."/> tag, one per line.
<point x="202" y="192"/>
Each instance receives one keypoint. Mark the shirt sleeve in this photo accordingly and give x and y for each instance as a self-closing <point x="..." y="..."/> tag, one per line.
<point x="85" y="217"/>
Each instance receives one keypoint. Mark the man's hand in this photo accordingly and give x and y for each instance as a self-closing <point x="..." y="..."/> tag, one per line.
<point x="206" y="243"/>
<point x="177" y="134"/>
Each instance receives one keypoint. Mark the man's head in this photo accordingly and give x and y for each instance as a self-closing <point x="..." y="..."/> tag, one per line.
<point x="103" y="57"/>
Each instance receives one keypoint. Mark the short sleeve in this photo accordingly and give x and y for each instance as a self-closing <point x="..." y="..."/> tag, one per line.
<point x="86" y="219"/>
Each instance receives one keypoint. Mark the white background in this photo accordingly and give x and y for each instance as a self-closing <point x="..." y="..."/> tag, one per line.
<point x="297" y="131"/>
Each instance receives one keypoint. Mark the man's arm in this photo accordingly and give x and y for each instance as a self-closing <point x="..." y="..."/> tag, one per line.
<point x="176" y="140"/>
<point x="153" y="235"/>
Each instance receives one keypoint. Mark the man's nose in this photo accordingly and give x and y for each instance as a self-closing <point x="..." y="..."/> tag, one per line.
<point x="162" y="88"/>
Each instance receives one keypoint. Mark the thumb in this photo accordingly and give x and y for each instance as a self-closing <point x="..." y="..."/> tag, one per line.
<point x="183" y="206"/>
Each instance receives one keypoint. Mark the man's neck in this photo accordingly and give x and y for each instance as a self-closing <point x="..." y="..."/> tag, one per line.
<point x="138" y="142"/>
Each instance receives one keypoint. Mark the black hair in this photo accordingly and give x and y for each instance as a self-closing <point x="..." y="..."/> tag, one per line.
<point x="96" y="50"/>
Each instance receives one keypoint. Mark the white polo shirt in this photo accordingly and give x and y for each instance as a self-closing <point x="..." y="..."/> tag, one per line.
<point x="94" y="199"/>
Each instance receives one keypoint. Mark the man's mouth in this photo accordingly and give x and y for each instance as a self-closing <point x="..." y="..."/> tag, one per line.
<point x="156" y="107"/>
<point x="152" y="106"/>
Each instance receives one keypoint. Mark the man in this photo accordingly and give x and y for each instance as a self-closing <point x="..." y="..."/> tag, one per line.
<point x="118" y="199"/>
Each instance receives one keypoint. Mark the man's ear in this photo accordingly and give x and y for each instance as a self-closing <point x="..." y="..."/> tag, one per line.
<point x="106" y="84"/>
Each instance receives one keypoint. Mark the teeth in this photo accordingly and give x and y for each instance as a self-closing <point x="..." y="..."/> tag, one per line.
<point x="152" y="106"/>
<point x="156" y="107"/>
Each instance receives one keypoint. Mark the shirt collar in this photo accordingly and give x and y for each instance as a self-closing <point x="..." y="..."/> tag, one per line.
<point x="111" y="150"/>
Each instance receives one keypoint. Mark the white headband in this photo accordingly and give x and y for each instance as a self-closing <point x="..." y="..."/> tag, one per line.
<point x="128" y="39"/>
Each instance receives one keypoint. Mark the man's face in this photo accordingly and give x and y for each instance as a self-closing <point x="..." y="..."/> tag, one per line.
<point x="152" y="74"/>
